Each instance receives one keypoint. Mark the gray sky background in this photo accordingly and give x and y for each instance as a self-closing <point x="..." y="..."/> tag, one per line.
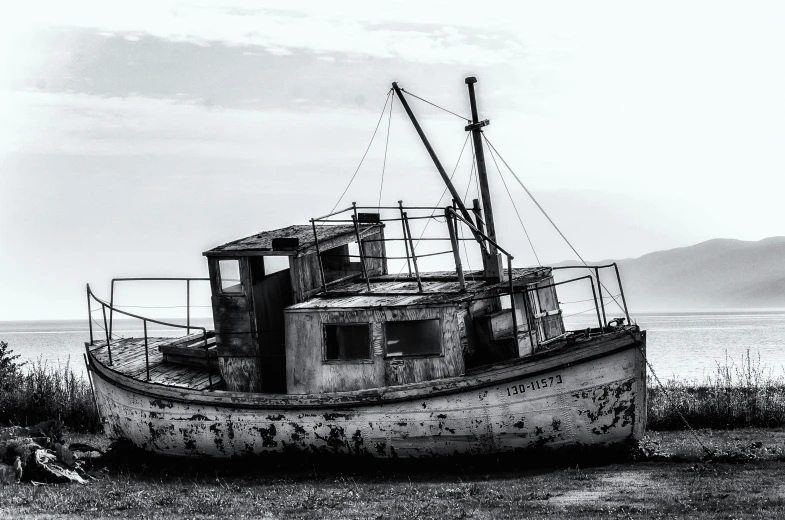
<point x="134" y="136"/>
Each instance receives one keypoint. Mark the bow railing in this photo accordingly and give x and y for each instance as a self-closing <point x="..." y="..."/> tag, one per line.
<point x="91" y="298"/>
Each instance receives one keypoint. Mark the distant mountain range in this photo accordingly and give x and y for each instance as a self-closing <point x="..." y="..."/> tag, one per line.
<point x="717" y="274"/>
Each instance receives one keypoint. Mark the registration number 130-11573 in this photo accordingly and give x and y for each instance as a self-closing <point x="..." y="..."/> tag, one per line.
<point x="537" y="384"/>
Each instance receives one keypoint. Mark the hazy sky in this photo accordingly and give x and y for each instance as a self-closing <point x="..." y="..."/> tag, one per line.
<point x="134" y="136"/>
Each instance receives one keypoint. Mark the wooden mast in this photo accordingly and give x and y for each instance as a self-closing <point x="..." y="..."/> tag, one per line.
<point x="493" y="262"/>
<point x="453" y="192"/>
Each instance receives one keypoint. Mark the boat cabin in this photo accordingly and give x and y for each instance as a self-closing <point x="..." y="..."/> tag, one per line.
<point x="335" y="320"/>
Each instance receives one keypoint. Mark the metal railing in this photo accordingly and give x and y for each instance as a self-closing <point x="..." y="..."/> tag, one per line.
<point x="452" y="219"/>
<point x="449" y="214"/>
<point x="157" y="279"/>
<point x="596" y="269"/>
<point x="107" y="328"/>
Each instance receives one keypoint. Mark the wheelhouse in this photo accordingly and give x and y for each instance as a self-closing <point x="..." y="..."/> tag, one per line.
<point x="335" y="320"/>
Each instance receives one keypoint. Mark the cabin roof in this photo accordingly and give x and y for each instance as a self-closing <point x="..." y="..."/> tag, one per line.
<point x="439" y="288"/>
<point x="260" y="244"/>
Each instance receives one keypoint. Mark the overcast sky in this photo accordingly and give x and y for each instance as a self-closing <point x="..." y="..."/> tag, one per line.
<point x="134" y="136"/>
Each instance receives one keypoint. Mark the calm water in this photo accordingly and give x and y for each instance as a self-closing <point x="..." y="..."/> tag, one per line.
<point x="680" y="345"/>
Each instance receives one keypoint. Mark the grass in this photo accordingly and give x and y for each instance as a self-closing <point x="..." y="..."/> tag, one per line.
<point x="683" y="486"/>
<point x="37" y="392"/>
<point x="740" y="395"/>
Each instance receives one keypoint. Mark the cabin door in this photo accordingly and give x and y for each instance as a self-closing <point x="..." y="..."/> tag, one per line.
<point x="271" y="294"/>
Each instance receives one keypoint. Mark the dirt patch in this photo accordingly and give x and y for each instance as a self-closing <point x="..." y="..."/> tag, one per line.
<point x="576" y="497"/>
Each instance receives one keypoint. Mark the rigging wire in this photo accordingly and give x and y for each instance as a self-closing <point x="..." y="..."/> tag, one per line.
<point x="467" y="119"/>
<point x="428" y="221"/>
<point x="586" y="300"/>
<point x="384" y="108"/>
<point x="460" y="228"/>
<point x="708" y="451"/>
<point x="542" y="210"/>
<point x="507" y="189"/>
<point x="472" y="176"/>
<point x="386" y="145"/>
<point x="676" y="407"/>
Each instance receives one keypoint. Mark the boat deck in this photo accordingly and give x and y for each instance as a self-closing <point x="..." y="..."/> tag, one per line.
<point x="128" y="358"/>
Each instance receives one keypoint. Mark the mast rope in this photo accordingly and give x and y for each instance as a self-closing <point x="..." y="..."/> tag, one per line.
<point x="665" y="391"/>
<point x="507" y="189"/>
<point x="542" y="210"/>
<point x="467" y="119"/>
<point x="384" y="108"/>
<point x="386" y="145"/>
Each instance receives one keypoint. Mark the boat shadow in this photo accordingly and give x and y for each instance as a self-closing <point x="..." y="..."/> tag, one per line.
<point x="125" y="458"/>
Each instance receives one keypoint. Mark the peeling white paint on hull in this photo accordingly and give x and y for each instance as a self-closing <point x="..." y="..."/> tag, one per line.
<point x="599" y="401"/>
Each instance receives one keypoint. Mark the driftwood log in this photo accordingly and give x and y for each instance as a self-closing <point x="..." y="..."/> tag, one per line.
<point x="37" y="454"/>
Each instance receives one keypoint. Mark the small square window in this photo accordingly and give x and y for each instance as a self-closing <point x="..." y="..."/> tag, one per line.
<point x="229" y="273"/>
<point x="414" y="338"/>
<point x="347" y="342"/>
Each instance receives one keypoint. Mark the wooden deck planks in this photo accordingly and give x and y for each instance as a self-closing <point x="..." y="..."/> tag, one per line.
<point x="128" y="358"/>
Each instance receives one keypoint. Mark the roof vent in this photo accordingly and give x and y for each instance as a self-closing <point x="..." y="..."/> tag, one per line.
<point x="285" y="244"/>
<point x="368" y="218"/>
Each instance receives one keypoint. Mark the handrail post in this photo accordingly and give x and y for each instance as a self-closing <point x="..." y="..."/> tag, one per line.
<point x="602" y="303"/>
<point x="318" y="255"/>
<point x="360" y="246"/>
<point x="111" y="307"/>
<point x="621" y="291"/>
<point x="188" y="307"/>
<point x="596" y="307"/>
<point x="529" y="322"/>
<point x="146" y="350"/>
<point x="456" y="252"/>
<point x="411" y="247"/>
<point x="106" y="330"/>
<point x="512" y="299"/>
<point x="207" y="355"/>
<point x="405" y="243"/>
<point x="89" y="315"/>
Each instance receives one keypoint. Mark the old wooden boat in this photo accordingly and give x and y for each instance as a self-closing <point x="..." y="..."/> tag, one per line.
<point x="339" y="355"/>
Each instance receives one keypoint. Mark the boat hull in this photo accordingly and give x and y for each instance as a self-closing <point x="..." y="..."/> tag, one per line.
<point x="590" y="396"/>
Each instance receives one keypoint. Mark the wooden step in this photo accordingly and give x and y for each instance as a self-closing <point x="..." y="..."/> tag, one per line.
<point x="190" y="351"/>
<point x="191" y="339"/>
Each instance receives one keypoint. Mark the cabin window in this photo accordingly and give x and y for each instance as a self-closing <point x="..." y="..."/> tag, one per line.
<point x="347" y="342"/>
<point x="354" y="252"/>
<point x="414" y="338"/>
<point x="229" y="273"/>
<point x="341" y="262"/>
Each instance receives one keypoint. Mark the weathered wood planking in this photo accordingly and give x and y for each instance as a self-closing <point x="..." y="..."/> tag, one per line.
<point x="308" y="372"/>
<point x="305" y="276"/>
<point x="306" y="271"/>
<point x="128" y="358"/>
<point x="235" y="330"/>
